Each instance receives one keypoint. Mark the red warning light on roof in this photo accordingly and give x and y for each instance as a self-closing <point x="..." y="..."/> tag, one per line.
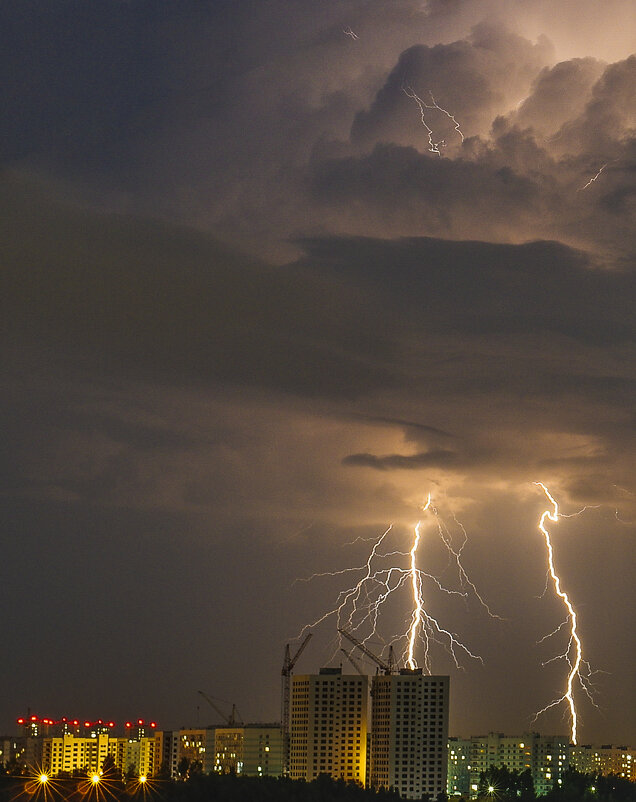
<point x="34" y="718"/>
<point x="153" y="724"/>
<point x="140" y="721"/>
<point x="20" y="721"/>
<point x="128" y="725"/>
<point x="111" y="723"/>
<point x="87" y="724"/>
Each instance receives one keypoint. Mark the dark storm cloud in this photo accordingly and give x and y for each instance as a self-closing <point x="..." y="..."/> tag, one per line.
<point x="481" y="288"/>
<point x="136" y="296"/>
<point x="183" y="420"/>
<point x="419" y="427"/>
<point x="429" y="459"/>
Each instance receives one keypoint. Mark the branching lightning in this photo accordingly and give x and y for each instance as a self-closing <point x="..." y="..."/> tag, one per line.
<point x="433" y="147"/>
<point x="348" y="32"/>
<point x="359" y="606"/>
<point x="580" y="671"/>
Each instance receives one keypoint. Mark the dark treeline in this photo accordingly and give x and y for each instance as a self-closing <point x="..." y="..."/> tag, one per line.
<point x="496" y="785"/>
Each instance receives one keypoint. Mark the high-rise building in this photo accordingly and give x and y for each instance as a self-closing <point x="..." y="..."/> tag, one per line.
<point x="409" y="735"/>
<point x="328" y="725"/>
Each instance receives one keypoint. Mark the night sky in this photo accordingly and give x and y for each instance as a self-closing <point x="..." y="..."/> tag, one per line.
<point x="250" y="319"/>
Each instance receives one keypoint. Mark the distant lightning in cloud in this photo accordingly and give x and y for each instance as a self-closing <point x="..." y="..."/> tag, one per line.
<point x="593" y="179"/>
<point x="448" y="114"/>
<point x="579" y="672"/>
<point x="434" y="147"/>
<point x="382" y="576"/>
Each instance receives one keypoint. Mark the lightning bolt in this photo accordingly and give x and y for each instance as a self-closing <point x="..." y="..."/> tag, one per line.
<point x="348" y="32"/>
<point x="432" y="146"/>
<point x="360" y="605"/>
<point x="447" y="113"/>
<point x="416" y="585"/>
<point x="579" y="670"/>
<point x="593" y="179"/>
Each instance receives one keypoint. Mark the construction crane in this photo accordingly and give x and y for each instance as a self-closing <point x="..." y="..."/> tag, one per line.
<point x="354" y="663"/>
<point x="232" y="720"/>
<point x="387" y="668"/>
<point x="288" y="664"/>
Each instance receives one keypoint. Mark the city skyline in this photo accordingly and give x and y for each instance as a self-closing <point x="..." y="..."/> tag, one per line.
<point x="285" y="281"/>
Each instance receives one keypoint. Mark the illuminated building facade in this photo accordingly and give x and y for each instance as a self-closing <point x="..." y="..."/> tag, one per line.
<point x="328" y="725"/>
<point x="197" y="746"/>
<point x="228" y="750"/>
<point x="409" y="736"/>
<point x="133" y="755"/>
<point x="263" y="750"/>
<point x="515" y="752"/>
<point x="550" y="759"/>
<point x="546" y="757"/>
<point x="606" y="759"/>
<point x="69" y="753"/>
<point x="458" y="780"/>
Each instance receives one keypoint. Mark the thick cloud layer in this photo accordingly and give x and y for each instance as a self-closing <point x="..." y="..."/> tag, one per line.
<point x="265" y="285"/>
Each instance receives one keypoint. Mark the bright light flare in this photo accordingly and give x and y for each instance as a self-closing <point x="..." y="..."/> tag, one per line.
<point x="98" y="786"/>
<point x="143" y="785"/>
<point x="41" y="786"/>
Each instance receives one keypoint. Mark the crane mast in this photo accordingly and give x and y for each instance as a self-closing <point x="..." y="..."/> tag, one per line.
<point x="387" y="667"/>
<point x="288" y="664"/>
<point x="354" y="663"/>
<point x="230" y="720"/>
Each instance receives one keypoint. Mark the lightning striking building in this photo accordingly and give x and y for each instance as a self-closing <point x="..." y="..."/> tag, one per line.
<point x="409" y="735"/>
<point x="328" y="725"/>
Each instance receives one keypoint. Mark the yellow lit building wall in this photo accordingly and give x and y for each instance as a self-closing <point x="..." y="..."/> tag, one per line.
<point x="328" y="720"/>
<point x="69" y="753"/>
